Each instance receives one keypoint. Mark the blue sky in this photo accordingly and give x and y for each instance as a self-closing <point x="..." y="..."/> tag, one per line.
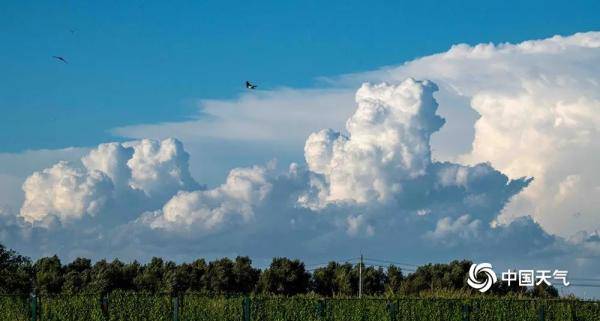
<point x="147" y="61"/>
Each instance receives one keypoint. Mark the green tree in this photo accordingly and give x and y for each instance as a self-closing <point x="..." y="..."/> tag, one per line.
<point x="431" y="277"/>
<point x="246" y="277"/>
<point x="77" y="276"/>
<point x="346" y="280"/>
<point x="220" y="277"/>
<point x="323" y="281"/>
<point x="198" y="276"/>
<point x="285" y="277"/>
<point x="15" y="272"/>
<point x="373" y="280"/>
<point x="177" y="278"/>
<point x="394" y="279"/>
<point x="49" y="277"/>
<point x="106" y="277"/>
<point x="150" y="278"/>
<point x="129" y="274"/>
<point x="79" y="265"/>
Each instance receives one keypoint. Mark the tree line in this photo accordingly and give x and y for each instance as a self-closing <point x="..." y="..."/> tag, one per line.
<point x="284" y="276"/>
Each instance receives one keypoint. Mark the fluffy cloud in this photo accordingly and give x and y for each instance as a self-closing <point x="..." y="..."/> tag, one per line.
<point x="530" y="109"/>
<point x="16" y="167"/>
<point x="388" y="143"/>
<point x="110" y="159"/>
<point x="386" y="175"/>
<point x="357" y="225"/>
<point x="448" y="229"/>
<point x="386" y="158"/>
<point x="205" y="211"/>
<point x="112" y="174"/>
<point x="64" y="192"/>
<point x="381" y="174"/>
<point x="538" y="104"/>
<point x="160" y="168"/>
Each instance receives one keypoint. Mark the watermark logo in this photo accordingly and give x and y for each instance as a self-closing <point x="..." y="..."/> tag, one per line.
<point x="526" y="278"/>
<point x="533" y="277"/>
<point x="484" y="269"/>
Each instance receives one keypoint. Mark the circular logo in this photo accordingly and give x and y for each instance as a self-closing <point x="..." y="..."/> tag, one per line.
<point x="486" y="270"/>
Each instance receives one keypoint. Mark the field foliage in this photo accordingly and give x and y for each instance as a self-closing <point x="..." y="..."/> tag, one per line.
<point x="123" y="306"/>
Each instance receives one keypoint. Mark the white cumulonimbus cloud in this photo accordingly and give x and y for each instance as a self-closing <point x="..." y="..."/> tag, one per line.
<point x="383" y="160"/>
<point x="64" y="192"/>
<point x="386" y="157"/>
<point x="387" y="143"/>
<point x="160" y="168"/>
<point x="538" y="104"/>
<point x="382" y="168"/>
<point x="377" y="183"/>
<point x="204" y="211"/>
<point x="110" y="174"/>
<point x="530" y="109"/>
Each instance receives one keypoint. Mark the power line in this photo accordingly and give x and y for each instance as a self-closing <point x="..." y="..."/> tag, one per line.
<point x="322" y="265"/>
<point x="315" y="266"/>
<point x="585" y="279"/>
<point x="385" y="267"/>
<point x="342" y="261"/>
<point x="579" y="285"/>
<point x="391" y="262"/>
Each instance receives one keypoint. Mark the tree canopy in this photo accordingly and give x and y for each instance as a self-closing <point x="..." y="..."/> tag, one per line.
<point x="284" y="276"/>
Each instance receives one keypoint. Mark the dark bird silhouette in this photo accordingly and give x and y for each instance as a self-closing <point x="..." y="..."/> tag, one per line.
<point x="250" y="86"/>
<point x="60" y="58"/>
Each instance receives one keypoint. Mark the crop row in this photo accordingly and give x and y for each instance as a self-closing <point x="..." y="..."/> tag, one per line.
<point x="191" y="307"/>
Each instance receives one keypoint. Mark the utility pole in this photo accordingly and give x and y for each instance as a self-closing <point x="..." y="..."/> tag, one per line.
<point x="360" y="276"/>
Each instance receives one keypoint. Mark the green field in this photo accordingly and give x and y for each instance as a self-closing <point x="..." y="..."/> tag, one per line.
<point x="192" y="307"/>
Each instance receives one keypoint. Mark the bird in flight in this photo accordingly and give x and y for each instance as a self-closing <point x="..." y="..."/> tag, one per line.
<point x="60" y="58"/>
<point x="250" y="86"/>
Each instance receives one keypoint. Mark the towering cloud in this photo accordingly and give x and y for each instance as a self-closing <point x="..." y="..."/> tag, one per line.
<point x="160" y="168"/>
<point x="377" y="183"/>
<point x="538" y="104"/>
<point x="386" y="158"/>
<point x="372" y="182"/>
<point x="530" y="109"/>
<point x="388" y="143"/>
<point x="111" y="159"/>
